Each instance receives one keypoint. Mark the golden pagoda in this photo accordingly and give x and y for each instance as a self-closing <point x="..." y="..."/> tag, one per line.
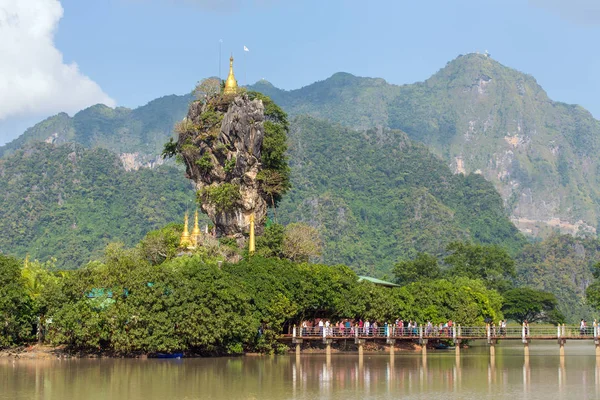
<point x="230" y="83"/>
<point x="196" y="237"/>
<point x="185" y="241"/>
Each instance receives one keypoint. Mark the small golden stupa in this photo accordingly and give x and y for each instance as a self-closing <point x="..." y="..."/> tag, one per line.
<point x="185" y="240"/>
<point x="196" y="237"/>
<point x="252" y="242"/>
<point x="230" y="84"/>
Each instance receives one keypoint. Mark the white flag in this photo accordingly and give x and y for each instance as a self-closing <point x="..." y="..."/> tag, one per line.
<point x="246" y="49"/>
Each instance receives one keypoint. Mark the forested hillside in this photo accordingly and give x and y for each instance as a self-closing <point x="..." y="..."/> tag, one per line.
<point x="136" y="135"/>
<point x="479" y="115"/>
<point x="377" y="196"/>
<point x="69" y="202"/>
<point x="475" y="113"/>
<point x="563" y="265"/>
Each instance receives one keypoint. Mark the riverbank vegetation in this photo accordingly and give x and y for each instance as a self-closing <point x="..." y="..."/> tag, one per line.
<point x="132" y="301"/>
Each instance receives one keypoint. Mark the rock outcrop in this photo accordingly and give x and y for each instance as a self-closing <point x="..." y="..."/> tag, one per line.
<point x="221" y="141"/>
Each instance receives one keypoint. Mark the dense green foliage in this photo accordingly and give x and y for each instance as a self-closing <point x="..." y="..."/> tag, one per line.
<point x="224" y="197"/>
<point x="539" y="284"/>
<point x="526" y="304"/>
<point x="16" y="314"/>
<point x="128" y="303"/>
<point x="275" y="173"/>
<point x="481" y="116"/>
<point x="68" y="202"/>
<point x="376" y="197"/>
<point x="563" y="266"/>
<point x="423" y="268"/>
<point x="592" y="292"/>
<point x="492" y="264"/>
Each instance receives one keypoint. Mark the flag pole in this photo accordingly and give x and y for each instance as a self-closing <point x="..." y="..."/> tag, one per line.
<point x="220" y="45"/>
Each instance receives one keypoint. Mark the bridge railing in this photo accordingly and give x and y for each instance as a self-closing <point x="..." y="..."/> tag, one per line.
<point x="425" y="332"/>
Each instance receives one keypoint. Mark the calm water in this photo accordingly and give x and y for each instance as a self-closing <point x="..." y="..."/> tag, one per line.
<point x="340" y="376"/>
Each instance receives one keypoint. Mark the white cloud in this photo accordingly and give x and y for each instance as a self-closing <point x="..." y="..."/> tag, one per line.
<point x="34" y="79"/>
<point x="585" y="12"/>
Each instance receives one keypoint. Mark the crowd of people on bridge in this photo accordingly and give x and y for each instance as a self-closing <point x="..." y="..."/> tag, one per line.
<point x="349" y="327"/>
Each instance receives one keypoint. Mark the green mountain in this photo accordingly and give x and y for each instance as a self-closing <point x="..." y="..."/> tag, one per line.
<point x="377" y="196"/>
<point x="475" y="113"/>
<point x="480" y="116"/>
<point x="69" y="202"/>
<point x="136" y="135"/>
<point x="374" y="193"/>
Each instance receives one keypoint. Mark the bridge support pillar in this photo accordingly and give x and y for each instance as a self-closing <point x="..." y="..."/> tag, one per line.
<point x="526" y="349"/>
<point x="457" y="347"/>
<point x="561" y="346"/>
<point x="328" y="346"/>
<point x="392" y="343"/>
<point x="492" y="347"/>
<point x="298" y="343"/>
<point x="597" y="343"/>
<point x="360" y="343"/>
<point x="423" y="343"/>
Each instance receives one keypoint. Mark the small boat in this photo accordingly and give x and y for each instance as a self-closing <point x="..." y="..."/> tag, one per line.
<point x="443" y="346"/>
<point x="169" y="355"/>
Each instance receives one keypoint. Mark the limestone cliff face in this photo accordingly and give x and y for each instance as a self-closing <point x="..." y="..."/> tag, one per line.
<point x="481" y="117"/>
<point x="220" y="142"/>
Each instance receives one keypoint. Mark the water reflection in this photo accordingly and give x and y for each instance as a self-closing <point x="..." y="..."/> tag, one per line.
<point x="471" y="375"/>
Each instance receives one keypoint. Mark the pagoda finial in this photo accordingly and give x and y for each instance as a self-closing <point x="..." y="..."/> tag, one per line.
<point x="230" y="83"/>
<point x="185" y="236"/>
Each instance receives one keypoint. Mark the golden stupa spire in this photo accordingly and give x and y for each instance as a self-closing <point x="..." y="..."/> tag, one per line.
<point x="251" y="244"/>
<point x="230" y="83"/>
<point x="185" y="236"/>
<point x="196" y="233"/>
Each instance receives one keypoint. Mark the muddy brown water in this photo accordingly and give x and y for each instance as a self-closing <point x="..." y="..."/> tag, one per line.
<point x="407" y="375"/>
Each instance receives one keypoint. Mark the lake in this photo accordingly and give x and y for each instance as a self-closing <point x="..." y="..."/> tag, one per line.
<point x="408" y="375"/>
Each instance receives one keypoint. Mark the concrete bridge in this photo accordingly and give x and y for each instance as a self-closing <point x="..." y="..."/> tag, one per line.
<point x="422" y="335"/>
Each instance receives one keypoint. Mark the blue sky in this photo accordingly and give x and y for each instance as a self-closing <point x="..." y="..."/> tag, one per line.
<point x="129" y="52"/>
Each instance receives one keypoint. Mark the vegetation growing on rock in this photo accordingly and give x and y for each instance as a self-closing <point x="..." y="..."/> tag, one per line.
<point x="234" y="149"/>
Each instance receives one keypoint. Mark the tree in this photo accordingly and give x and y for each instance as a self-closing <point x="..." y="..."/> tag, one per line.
<point x="491" y="263"/>
<point x="301" y="242"/>
<point x="526" y="304"/>
<point x="207" y="87"/>
<point x="423" y="267"/>
<point x="592" y="293"/>
<point x="161" y="245"/>
<point x="16" y="316"/>
<point x="40" y="282"/>
<point x="273" y="184"/>
<point x="270" y="243"/>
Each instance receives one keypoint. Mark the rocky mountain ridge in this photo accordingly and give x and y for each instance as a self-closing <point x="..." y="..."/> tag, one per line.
<point x="478" y="115"/>
<point x="481" y="117"/>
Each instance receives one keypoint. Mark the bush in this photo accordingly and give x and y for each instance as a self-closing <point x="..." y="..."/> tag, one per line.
<point x="224" y="196"/>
